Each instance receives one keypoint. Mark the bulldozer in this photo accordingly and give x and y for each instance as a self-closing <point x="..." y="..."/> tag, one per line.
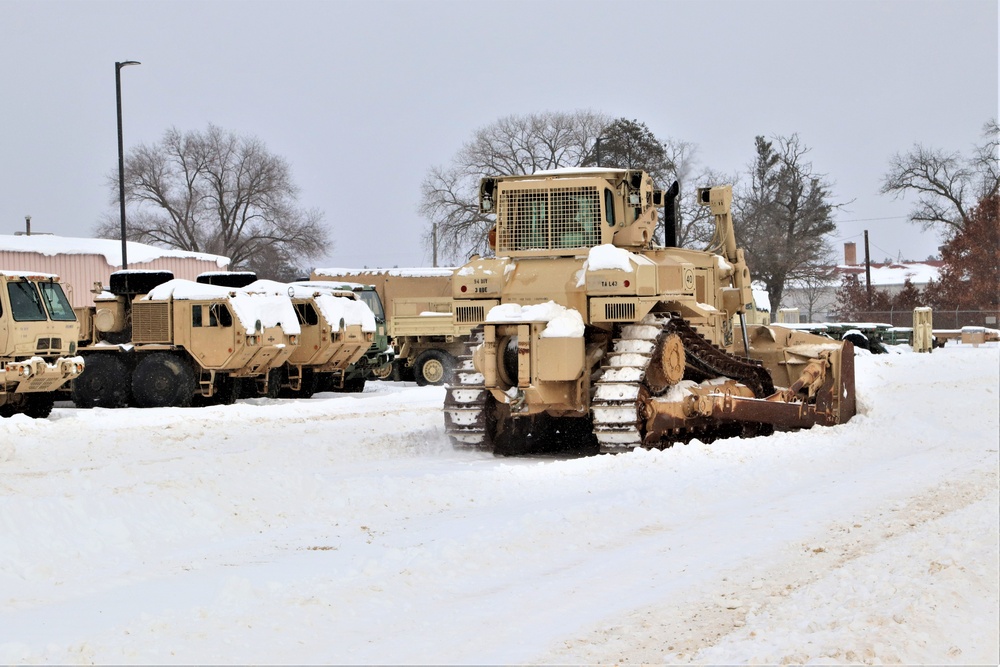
<point x="589" y="335"/>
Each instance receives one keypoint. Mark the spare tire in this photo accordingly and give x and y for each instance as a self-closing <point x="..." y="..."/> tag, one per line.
<point x="125" y="283"/>
<point x="236" y="279"/>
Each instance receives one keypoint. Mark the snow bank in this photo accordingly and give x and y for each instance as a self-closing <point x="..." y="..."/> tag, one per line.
<point x="562" y="322"/>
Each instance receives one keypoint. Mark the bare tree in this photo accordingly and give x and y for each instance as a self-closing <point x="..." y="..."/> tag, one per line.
<point x="815" y="285"/>
<point x="783" y="215"/>
<point x="695" y="223"/>
<point x="948" y="185"/>
<point x="218" y="193"/>
<point x="526" y="144"/>
<point x="511" y="145"/>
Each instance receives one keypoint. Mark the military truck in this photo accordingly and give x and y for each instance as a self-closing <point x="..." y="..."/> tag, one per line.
<point x="37" y="343"/>
<point x="419" y="319"/>
<point x="154" y="341"/>
<point x="589" y="335"/>
<point x="337" y="330"/>
<point x="377" y="361"/>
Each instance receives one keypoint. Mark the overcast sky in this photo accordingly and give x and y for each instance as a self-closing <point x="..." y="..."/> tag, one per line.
<point x="363" y="97"/>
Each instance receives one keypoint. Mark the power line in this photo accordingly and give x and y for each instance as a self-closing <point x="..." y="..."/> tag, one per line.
<point x="898" y="217"/>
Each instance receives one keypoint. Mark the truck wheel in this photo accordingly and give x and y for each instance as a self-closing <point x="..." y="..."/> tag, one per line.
<point x="104" y="382"/>
<point x="163" y="380"/>
<point x="275" y="378"/>
<point x="310" y="381"/>
<point x="39" y="406"/>
<point x="433" y="367"/>
<point x="227" y="389"/>
<point x="384" y="372"/>
<point x="354" y="385"/>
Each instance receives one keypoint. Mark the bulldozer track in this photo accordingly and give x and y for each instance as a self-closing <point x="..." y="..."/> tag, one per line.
<point x="619" y="389"/>
<point x="465" y="401"/>
<point x="617" y="405"/>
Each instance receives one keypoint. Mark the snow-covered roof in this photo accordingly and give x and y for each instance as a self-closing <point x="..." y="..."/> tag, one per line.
<point x="896" y="273"/>
<point x="50" y="244"/>
<point x="414" y="272"/>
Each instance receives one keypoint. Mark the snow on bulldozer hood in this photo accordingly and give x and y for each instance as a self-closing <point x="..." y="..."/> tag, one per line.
<point x="339" y="307"/>
<point x="609" y="257"/>
<point x="269" y="309"/>
<point x="561" y="322"/>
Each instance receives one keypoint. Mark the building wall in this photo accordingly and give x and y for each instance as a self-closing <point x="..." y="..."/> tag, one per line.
<point x="79" y="272"/>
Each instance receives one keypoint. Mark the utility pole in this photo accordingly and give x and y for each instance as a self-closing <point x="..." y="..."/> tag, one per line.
<point x="121" y="155"/>
<point x="868" y="272"/>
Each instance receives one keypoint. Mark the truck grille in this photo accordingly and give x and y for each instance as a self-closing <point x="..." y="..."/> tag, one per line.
<point x="619" y="312"/>
<point x="151" y="322"/>
<point x="46" y="345"/>
<point x="548" y="219"/>
<point x="470" y="314"/>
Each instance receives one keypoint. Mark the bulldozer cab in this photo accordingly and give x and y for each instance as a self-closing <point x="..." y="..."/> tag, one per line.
<point x="561" y="211"/>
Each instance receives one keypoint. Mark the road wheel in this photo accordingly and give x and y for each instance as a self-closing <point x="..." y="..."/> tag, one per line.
<point x="104" y="382"/>
<point x="163" y="380"/>
<point x="385" y="372"/>
<point x="433" y="367"/>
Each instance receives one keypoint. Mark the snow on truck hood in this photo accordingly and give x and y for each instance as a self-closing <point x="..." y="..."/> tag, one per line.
<point x="340" y="311"/>
<point x="270" y="310"/>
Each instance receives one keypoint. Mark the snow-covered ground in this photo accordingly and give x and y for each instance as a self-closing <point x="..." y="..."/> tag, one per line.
<point x="344" y="529"/>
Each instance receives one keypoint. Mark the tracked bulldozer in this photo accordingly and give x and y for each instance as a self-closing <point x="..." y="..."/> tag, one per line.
<point x="589" y="335"/>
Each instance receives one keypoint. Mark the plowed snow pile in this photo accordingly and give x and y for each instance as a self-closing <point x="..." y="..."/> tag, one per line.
<point x="344" y="529"/>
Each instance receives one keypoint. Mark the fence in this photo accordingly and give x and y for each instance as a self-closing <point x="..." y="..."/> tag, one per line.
<point x="943" y="319"/>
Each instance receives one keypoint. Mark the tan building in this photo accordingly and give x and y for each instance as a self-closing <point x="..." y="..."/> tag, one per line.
<point x="81" y="262"/>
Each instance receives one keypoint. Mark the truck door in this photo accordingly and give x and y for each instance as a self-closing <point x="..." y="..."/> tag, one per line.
<point x="213" y="336"/>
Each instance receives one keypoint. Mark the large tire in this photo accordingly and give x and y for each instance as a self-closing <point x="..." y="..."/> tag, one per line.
<point x="859" y="340"/>
<point x="227" y="389"/>
<point x="163" y="380"/>
<point x="231" y="279"/>
<point x="39" y="406"/>
<point x="434" y="367"/>
<point x="137" y="282"/>
<point x="104" y="382"/>
<point x="354" y="385"/>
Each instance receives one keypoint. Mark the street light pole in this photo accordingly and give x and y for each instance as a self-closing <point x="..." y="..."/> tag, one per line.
<point x="121" y="153"/>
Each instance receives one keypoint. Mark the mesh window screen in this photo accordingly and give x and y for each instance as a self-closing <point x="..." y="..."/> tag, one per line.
<point x="549" y="219"/>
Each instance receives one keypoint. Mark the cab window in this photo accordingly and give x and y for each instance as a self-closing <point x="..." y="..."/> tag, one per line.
<point x="25" y="304"/>
<point x="370" y="297"/>
<point x="213" y="315"/>
<point x="609" y="207"/>
<point x="56" y="302"/>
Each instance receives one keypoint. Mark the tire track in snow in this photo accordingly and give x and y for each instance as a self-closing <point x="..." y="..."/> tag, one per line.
<point x="740" y="607"/>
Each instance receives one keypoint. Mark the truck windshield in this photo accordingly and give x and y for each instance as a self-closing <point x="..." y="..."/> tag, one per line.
<point x="25" y="305"/>
<point x="56" y="302"/>
<point x="370" y="297"/>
